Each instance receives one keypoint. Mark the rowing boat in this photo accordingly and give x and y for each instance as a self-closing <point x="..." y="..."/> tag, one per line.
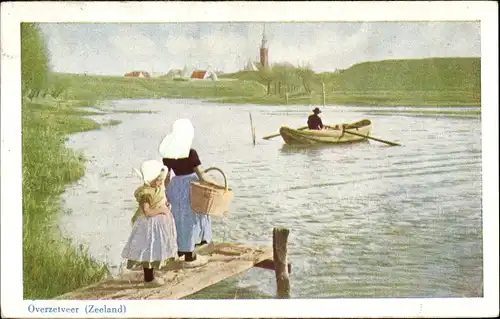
<point x="333" y="134"/>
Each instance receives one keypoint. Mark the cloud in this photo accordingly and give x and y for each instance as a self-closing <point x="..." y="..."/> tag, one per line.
<point x="107" y="48"/>
<point x="179" y="45"/>
<point x="132" y="43"/>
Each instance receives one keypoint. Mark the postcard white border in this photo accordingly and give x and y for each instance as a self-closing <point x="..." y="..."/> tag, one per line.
<point x="12" y="13"/>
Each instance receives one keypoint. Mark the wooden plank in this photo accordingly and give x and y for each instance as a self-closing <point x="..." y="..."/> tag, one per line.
<point x="225" y="260"/>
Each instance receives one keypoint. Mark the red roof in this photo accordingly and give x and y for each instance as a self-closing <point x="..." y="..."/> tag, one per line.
<point x="198" y="74"/>
<point x="137" y="74"/>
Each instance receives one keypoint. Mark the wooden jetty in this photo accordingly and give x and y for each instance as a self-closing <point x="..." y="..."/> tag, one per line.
<point x="224" y="260"/>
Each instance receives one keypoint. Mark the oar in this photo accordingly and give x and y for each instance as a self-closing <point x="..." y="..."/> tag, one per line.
<point x="373" y="138"/>
<point x="278" y="134"/>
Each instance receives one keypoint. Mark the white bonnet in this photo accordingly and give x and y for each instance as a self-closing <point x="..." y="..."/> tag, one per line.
<point x="150" y="170"/>
<point x="178" y="143"/>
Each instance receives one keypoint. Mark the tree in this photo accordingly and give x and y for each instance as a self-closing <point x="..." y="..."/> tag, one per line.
<point x="34" y="61"/>
<point x="307" y="76"/>
<point x="266" y="76"/>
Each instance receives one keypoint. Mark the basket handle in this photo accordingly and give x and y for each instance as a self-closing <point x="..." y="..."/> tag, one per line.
<point x="223" y="175"/>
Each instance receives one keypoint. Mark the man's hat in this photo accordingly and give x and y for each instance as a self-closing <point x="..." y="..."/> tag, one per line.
<point x="316" y="111"/>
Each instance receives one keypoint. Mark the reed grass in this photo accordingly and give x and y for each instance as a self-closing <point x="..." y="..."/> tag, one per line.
<point x="51" y="265"/>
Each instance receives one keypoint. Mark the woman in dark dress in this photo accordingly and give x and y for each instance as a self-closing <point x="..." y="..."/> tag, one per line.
<point x="192" y="228"/>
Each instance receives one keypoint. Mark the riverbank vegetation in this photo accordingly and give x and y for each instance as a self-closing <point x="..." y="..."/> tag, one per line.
<point x="51" y="264"/>
<point x="411" y="82"/>
<point x="92" y="88"/>
<point x="416" y="82"/>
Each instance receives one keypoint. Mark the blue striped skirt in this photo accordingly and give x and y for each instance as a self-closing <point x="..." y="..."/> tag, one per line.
<point x="152" y="242"/>
<point x="192" y="228"/>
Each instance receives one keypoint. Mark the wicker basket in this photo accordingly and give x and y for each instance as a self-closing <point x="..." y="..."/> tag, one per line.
<point x="208" y="198"/>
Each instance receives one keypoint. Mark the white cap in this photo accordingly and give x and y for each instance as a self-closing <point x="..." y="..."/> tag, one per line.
<point x="150" y="170"/>
<point x="178" y="143"/>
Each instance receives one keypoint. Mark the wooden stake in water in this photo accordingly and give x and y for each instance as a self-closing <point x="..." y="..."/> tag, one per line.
<point x="280" y="240"/>
<point x="252" y="128"/>
<point x="324" y="95"/>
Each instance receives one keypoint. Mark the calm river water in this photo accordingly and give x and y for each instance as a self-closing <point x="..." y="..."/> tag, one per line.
<point x="365" y="220"/>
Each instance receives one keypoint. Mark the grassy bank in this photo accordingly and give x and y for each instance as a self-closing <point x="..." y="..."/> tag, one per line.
<point x="411" y="82"/>
<point x="51" y="265"/>
<point x="86" y="90"/>
<point x="408" y="75"/>
<point x="93" y="88"/>
<point x="373" y="98"/>
<point x="416" y="82"/>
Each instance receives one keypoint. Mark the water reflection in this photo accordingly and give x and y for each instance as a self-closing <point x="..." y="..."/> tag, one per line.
<point x="315" y="149"/>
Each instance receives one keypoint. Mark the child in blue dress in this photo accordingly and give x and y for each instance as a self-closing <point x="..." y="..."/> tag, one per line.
<point x="153" y="240"/>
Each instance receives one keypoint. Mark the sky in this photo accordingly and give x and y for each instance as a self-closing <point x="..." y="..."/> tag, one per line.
<point x="117" y="48"/>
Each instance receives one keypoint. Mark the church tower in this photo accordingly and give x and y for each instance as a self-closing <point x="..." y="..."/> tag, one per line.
<point x="264" y="50"/>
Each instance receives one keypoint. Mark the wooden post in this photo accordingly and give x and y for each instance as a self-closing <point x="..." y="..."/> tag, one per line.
<point x="286" y="95"/>
<point x="324" y="94"/>
<point x="252" y="128"/>
<point x="280" y="239"/>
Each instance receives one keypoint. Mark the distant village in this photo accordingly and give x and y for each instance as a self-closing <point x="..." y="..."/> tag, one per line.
<point x="192" y="73"/>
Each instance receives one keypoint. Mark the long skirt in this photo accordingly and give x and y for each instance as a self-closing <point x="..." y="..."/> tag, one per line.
<point x="192" y="228"/>
<point x="152" y="242"/>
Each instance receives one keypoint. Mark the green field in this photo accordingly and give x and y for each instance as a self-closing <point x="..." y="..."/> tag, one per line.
<point x="93" y="88"/>
<point x="432" y="74"/>
<point x="419" y="82"/>
<point x="416" y="82"/>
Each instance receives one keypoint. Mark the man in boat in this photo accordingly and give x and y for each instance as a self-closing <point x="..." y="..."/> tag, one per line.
<point x="314" y="121"/>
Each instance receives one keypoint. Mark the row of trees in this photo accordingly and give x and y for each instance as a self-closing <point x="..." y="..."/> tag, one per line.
<point x="284" y="78"/>
<point x="35" y="65"/>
